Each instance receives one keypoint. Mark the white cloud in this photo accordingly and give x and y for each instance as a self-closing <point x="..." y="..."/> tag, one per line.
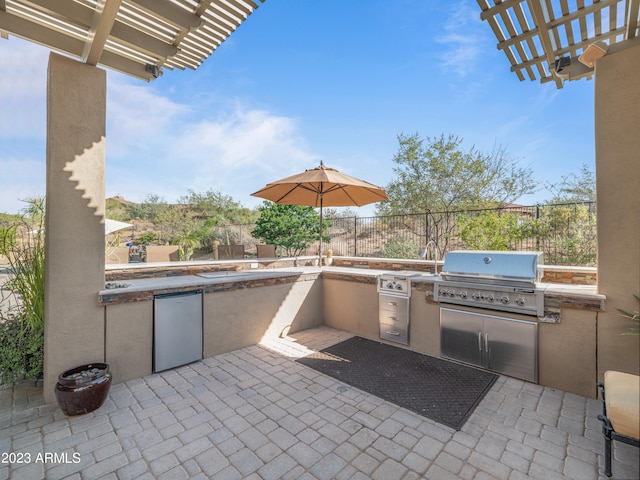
<point x="23" y="70"/>
<point x="23" y="84"/>
<point x="155" y="144"/>
<point x="242" y="138"/>
<point x="463" y="39"/>
<point x="239" y="152"/>
<point x="22" y="179"/>
<point x="24" y="60"/>
<point x="159" y="146"/>
<point x="138" y="117"/>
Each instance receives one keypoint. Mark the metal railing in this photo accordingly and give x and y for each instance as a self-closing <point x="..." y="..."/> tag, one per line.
<point x="565" y="233"/>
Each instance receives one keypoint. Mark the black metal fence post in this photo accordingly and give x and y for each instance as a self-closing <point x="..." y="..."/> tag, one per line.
<point x="355" y="236"/>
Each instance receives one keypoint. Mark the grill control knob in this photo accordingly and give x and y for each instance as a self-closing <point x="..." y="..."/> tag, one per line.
<point x="398" y="287"/>
<point x="520" y="301"/>
<point x="475" y="296"/>
<point x="504" y="299"/>
<point x="389" y="285"/>
<point x="462" y="294"/>
<point x="489" y="298"/>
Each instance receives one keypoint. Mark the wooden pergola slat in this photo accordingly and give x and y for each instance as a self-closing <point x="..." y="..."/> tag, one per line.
<point x="136" y="37"/>
<point x="561" y="27"/>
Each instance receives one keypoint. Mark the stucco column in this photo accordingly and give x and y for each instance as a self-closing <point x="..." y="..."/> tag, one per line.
<point x="74" y="261"/>
<point x="617" y="131"/>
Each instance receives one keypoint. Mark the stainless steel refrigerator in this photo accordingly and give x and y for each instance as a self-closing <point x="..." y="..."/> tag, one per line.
<point x="177" y="330"/>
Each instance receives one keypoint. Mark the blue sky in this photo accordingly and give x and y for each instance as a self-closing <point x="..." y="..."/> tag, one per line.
<point x="299" y="82"/>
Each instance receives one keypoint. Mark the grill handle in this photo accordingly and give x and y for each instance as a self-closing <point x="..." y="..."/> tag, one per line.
<point x="487" y="350"/>
<point x="479" y="340"/>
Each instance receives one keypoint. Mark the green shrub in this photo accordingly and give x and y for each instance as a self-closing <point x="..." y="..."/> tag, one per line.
<point x="26" y="260"/>
<point x="22" y="331"/>
<point x="568" y="234"/>
<point x="7" y="239"/>
<point x="21" y="349"/>
<point x="292" y="228"/>
<point x="491" y="230"/>
<point x="400" y="249"/>
<point x="147" y="238"/>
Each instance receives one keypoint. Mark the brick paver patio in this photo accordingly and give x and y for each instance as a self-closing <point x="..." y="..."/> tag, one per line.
<point x="257" y="414"/>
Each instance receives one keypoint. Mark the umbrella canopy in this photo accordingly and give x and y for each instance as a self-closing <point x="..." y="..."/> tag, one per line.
<point x="111" y="226"/>
<point x="322" y="187"/>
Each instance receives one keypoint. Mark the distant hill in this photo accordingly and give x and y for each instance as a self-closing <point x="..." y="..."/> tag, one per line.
<point x="116" y="208"/>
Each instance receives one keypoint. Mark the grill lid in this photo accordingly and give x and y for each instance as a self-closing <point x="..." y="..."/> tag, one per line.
<point x="486" y="265"/>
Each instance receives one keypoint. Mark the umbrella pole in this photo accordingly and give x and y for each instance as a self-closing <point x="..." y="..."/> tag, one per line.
<point x="320" y="252"/>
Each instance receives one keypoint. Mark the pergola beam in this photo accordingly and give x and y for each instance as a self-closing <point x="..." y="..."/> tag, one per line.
<point x="38" y="34"/>
<point x="541" y="22"/>
<point x="150" y="33"/>
<point x="170" y="12"/>
<point x="103" y="20"/>
<point x="133" y="37"/>
<point x="560" y="28"/>
<point x="632" y="18"/>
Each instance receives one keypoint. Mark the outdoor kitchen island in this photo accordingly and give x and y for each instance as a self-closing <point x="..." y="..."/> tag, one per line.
<point x="240" y="308"/>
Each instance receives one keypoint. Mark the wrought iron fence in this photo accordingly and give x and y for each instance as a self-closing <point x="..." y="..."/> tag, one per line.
<point x="565" y="233"/>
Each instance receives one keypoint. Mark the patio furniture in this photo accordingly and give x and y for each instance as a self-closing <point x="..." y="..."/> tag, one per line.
<point x="266" y="251"/>
<point x="230" y="252"/>
<point x="163" y="253"/>
<point x="620" y="411"/>
<point x="117" y="255"/>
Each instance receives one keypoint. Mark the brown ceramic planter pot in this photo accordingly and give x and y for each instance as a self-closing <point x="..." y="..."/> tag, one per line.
<point x="83" y="389"/>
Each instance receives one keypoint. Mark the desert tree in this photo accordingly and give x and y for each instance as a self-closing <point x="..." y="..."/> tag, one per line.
<point x="436" y="174"/>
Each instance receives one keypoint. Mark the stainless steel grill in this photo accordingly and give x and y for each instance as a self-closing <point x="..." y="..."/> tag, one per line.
<point x="494" y="280"/>
<point x="490" y="280"/>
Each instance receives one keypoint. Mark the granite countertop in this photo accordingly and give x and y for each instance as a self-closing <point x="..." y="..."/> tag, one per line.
<point x="146" y="288"/>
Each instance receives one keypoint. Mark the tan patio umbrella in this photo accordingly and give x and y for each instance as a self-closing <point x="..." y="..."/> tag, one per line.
<point x="322" y="187"/>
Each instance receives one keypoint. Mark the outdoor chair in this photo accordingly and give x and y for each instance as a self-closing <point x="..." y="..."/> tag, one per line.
<point x="230" y="252"/>
<point x="266" y="251"/>
<point x="620" y="411"/>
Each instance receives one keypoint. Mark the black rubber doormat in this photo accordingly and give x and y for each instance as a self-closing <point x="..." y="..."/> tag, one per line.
<point x="444" y="391"/>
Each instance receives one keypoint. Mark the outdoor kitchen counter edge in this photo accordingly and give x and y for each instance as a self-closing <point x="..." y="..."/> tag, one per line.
<point x="557" y="295"/>
<point x="577" y="296"/>
<point x="145" y="289"/>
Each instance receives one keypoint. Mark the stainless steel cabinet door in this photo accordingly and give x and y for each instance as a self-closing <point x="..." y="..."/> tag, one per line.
<point x="461" y="336"/>
<point x="511" y="347"/>
<point x="177" y="336"/>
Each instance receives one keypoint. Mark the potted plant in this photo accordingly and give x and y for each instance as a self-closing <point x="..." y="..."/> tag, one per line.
<point x="83" y="389"/>
<point x="329" y="258"/>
